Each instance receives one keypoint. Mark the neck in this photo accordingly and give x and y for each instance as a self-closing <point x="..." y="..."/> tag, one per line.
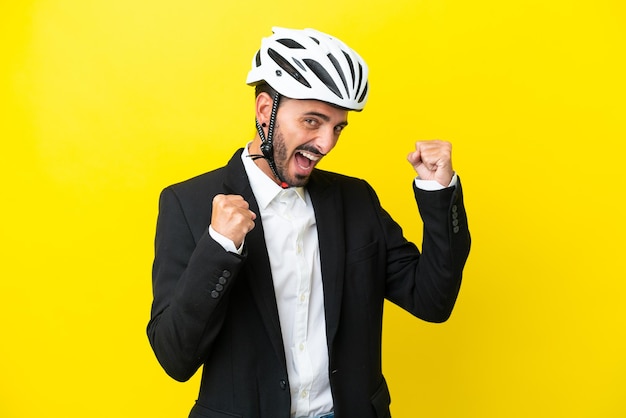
<point x="255" y="149"/>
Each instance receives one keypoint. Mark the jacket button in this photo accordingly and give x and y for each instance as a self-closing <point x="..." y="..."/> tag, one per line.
<point x="215" y="294"/>
<point x="283" y="384"/>
<point x="226" y="274"/>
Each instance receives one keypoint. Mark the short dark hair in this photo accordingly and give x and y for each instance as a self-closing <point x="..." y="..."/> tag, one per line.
<point x="263" y="87"/>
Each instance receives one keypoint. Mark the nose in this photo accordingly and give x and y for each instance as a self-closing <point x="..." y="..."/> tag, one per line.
<point x="327" y="140"/>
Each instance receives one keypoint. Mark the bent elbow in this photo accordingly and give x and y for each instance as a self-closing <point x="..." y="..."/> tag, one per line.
<point x="440" y="317"/>
<point x="441" y="311"/>
<point x="178" y="373"/>
<point x="179" y="365"/>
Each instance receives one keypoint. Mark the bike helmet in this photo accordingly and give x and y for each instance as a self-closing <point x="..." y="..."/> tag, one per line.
<point x="308" y="64"/>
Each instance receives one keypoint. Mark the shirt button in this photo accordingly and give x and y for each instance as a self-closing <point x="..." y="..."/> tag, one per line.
<point x="301" y="347"/>
<point x="304" y="394"/>
<point x="302" y="298"/>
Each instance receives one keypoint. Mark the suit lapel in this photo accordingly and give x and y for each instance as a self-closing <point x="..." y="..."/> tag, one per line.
<point x="328" y="207"/>
<point x="257" y="266"/>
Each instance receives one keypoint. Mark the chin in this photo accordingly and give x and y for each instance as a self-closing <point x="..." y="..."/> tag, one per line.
<point x="298" y="181"/>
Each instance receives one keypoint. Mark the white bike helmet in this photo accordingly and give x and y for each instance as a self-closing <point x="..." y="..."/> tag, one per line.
<point x="308" y="64"/>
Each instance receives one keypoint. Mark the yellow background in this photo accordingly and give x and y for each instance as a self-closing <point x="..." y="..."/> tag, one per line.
<point x="104" y="103"/>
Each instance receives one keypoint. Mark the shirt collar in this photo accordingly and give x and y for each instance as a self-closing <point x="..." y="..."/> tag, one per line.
<point x="263" y="187"/>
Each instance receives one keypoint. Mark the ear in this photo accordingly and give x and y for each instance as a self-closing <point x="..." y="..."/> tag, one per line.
<point x="263" y="107"/>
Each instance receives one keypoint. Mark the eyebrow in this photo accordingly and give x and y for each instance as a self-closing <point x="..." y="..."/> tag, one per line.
<point x="325" y="117"/>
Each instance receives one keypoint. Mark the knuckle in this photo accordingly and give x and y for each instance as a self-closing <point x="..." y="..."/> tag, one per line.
<point x="218" y="199"/>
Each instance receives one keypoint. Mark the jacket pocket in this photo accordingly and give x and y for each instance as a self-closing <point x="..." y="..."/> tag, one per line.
<point x="199" y="411"/>
<point x="381" y="401"/>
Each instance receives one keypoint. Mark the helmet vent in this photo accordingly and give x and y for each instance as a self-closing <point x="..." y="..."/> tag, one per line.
<point x="362" y="96"/>
<point x="257" y="58"/>
<point x="339" y="70"/>
<point x="323" y="75"/>
<point x="358" y="86"/>
<point x="351" y="65"/>
<point x="284" y="64"/>
<point x="299" y="64"/>
<point x="290" y="43"/>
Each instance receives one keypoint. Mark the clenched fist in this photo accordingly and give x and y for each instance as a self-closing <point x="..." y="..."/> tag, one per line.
<point x="232" y="217"/>
<point x="432" y="160"/>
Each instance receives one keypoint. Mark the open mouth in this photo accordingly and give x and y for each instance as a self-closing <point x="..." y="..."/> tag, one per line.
<point x="306" y="160"/>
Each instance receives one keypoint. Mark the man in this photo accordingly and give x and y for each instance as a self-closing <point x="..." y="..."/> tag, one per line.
<point x="271" y="274"/>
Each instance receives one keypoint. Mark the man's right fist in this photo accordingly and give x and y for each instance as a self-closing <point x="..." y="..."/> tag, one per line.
<point x="232" y="217"/>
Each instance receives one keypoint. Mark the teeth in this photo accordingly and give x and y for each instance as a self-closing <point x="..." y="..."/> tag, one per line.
<point x="310" y="156"/>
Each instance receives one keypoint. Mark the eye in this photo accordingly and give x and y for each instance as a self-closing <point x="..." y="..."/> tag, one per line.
<point x="311" y="122"/>
<point x="339" y="128"/>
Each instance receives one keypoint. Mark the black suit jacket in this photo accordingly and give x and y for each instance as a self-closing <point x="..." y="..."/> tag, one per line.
<point x="218" y="309"/>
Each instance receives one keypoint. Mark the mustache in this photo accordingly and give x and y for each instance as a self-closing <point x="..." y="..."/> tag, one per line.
<point x="310" y="149"/>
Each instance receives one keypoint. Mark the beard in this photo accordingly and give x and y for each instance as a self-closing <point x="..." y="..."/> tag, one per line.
<point x="281" y="161"/>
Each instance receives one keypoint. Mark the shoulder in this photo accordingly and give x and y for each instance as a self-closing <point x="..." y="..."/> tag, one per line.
<point x="191" y="198"/>
<point x="201" y="181"/>
<point x="211" y="181"/>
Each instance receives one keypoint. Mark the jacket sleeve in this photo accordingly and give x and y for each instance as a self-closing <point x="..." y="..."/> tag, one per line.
<point x="191" y="278"/>
<point x="428" y="286"/>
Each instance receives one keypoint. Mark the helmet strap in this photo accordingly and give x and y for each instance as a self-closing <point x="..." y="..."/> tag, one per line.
<point x="267" y="144"/>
